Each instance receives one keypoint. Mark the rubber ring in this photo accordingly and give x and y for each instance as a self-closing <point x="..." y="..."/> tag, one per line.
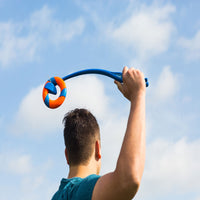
<point x="57" y="102"/>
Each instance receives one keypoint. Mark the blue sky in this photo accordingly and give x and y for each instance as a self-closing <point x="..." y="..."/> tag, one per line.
<point x="39" y="40"/>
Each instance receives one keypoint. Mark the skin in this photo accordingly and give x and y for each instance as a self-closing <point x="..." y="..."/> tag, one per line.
<point x="124" y="181"/>
<point x="93" y="165"/>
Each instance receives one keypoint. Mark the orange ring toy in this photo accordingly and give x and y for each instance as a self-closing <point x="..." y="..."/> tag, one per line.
<point x="49" y="87"/>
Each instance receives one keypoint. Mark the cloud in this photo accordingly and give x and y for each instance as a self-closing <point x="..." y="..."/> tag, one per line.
<point x="22" y="41"/>
<point x="14" y="47"/>
<point x="191" y="46"/>
<point x="36" y="187"/>
<point x="113" y="129"/>
<point x="147" y="31"/>
<point x="46" y="27"/>
<point x="167" y="85"/>
<point x="34" y="118"/>
<point x="171" y="168"/>
<point x="164" y="117"/>
<point x="29" y="181"/>
<point x="15" y="163"/>
<point x="42" y="186"/>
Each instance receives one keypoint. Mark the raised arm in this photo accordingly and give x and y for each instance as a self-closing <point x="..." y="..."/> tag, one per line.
<point x="131" y="160"/>
<point x="123" y="183"/>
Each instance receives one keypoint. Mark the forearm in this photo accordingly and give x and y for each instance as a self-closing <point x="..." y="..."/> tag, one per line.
<point x="131" y="160"/>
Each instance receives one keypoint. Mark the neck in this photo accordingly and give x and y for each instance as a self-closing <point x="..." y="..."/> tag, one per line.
<point x="82" y="171"/>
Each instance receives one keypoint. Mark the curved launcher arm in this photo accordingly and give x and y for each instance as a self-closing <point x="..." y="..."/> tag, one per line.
<point x="50" y="85"/>
<point x="115" y="75"/>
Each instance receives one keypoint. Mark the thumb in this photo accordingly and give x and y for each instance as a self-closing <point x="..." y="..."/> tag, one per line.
<point x="119" y="85"/>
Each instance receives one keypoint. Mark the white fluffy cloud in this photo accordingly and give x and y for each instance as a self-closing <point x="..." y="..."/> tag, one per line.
<point x="45" y="26"/>
<point x="14" y="47"/>
<point x="29" y="181"/>
<point x="147" y="30"/>
<point x="191" y="46"/>
<point x="22" y="41"/>
<point x="167" y="85"/>
<point x="15" y="163"/>
<point x="33" y="117"/>
<point x="171" y="168"/>
<point x="113" y="129"/>
<point x="163" y="114"/>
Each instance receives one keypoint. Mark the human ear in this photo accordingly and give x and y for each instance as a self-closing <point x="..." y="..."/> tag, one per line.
<point x="66" y="156"/>
<point x="97" y="150"/>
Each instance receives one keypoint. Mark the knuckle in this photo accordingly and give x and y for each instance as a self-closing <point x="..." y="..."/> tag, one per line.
<point x="130" y="71"/>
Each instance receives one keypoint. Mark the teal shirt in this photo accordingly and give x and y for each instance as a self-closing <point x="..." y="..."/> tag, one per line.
<point x="76" y="188"/>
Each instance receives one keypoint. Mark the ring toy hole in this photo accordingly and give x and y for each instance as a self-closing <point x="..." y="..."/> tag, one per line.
<point x="50" y="88"/>
<point x="53" y="96"/>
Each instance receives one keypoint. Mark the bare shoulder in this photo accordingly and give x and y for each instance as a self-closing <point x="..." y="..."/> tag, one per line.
<point x="110" y="187"/>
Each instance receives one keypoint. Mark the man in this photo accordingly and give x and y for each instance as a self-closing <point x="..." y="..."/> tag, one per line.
<point x="83" y="150"/>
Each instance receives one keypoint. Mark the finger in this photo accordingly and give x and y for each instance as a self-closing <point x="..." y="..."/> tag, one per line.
<point x="119" y="85"/>
<point x="124" y="72"/>
<point x="125" y="69"/>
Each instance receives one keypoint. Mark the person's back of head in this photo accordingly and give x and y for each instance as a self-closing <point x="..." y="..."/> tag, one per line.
<point x="81" y="131"/>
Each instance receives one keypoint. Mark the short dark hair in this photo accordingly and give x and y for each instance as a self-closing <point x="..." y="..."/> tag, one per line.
<point x="81" y="131"/>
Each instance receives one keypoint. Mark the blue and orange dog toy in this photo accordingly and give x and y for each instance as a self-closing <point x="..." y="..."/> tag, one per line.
<point x="50" y="85"/>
